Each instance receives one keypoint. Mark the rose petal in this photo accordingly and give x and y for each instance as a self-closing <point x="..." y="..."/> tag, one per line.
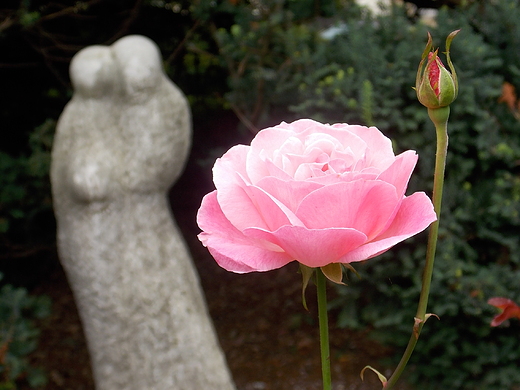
<point x="351" y="143"/>
<point x="367" y="174"/>
<point x="238" y="207"/>
<point x="231" y="180"/>
<point x="288" y="156"/>
<point x="263" y="147"/>
<point x="274" y="213"/>
<point x="363" y="205"/>
<point x="289" y="192"/>
<point x="379" y="151"/>
<point x="275" y="171"/>
<point x="312" y="247"/>
<point x="318" y="143"/>
<point x="415" y="214"/>
<point x="231" y="249"/>
<point x="302" y="125"/>
<point x="233" y="161"/>
<point x="399" y="173"/>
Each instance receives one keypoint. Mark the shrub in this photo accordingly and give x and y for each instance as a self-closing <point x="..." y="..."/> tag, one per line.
<point x="25" y="189"/>
<point x="19" y="336"/>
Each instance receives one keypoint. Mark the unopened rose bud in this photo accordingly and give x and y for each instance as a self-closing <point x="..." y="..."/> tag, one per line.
<point x="436" y="87"/>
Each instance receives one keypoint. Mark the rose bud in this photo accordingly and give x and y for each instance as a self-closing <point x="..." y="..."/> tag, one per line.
<point x="436" y="87"/>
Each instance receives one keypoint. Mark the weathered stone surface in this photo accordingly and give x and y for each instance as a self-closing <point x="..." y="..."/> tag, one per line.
<point x="120" y="144"/>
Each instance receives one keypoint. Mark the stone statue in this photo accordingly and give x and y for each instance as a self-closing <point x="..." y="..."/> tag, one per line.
<point x="120" y="144"/>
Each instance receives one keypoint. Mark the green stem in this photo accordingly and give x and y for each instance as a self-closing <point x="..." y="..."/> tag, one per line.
<point x="439" y="118"/>
<point x="321" y="286"/>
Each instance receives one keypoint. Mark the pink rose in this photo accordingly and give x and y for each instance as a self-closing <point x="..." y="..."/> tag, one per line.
<point x="310" y="192"/>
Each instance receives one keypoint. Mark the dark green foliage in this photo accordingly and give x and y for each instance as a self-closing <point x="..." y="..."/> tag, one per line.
<point x="364" y="74"/>
<point x="19" y="336"/>
<point x="25" y="189"/>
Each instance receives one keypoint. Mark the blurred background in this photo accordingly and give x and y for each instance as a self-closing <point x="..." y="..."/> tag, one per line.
<point x="245" y="65"/>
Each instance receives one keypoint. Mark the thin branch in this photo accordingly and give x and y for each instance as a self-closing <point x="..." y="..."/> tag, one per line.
<point x="181" y="45"/>
<point x="78" y="7"/>
<point x="134" y="13"/>
<point x="6" y="23"/>
<point x="18" y="251"/>
<point x="245" y="121"/>
<point x="20" y="65"/>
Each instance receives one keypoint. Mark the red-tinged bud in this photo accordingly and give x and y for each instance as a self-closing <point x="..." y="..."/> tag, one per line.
<point x="436" y="87"/>
<point x="434" y="73"/>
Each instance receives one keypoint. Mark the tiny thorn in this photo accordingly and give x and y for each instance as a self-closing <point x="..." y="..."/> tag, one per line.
<point x="418" y="323"/>
<point x="427" y="316"/>
<point x="416" y="327"/>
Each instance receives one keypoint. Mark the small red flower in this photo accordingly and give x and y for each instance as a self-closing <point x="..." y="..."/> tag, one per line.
<point x="508" y="307"/>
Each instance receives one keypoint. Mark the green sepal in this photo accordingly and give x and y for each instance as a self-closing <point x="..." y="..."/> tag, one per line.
<point x="447" y="88"/>
<point x="333" y="272"/>
<point x="350" y="268"/>
<point x="449" y="39"/>
<point x="307" y="273"/>
<point x="420" y="70"/>
<point x="381" y="377"/>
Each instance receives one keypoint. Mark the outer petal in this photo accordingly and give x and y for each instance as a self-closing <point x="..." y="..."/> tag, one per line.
<point x="363" y="205"/>
<point x="312" y="247"/>
<point x="238" y="207"/>
<point x="273" y="212"/>
<point x="231" y="249"/>
<point x="399" y="173"/>
<point x="415" y="214"/>
<point x="233" y="161"/>
<point x="230" y="179"/>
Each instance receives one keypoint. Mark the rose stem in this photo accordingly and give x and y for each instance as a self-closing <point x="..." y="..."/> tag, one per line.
<point x="324" y="329"/>
<point x="439" y="117"/>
